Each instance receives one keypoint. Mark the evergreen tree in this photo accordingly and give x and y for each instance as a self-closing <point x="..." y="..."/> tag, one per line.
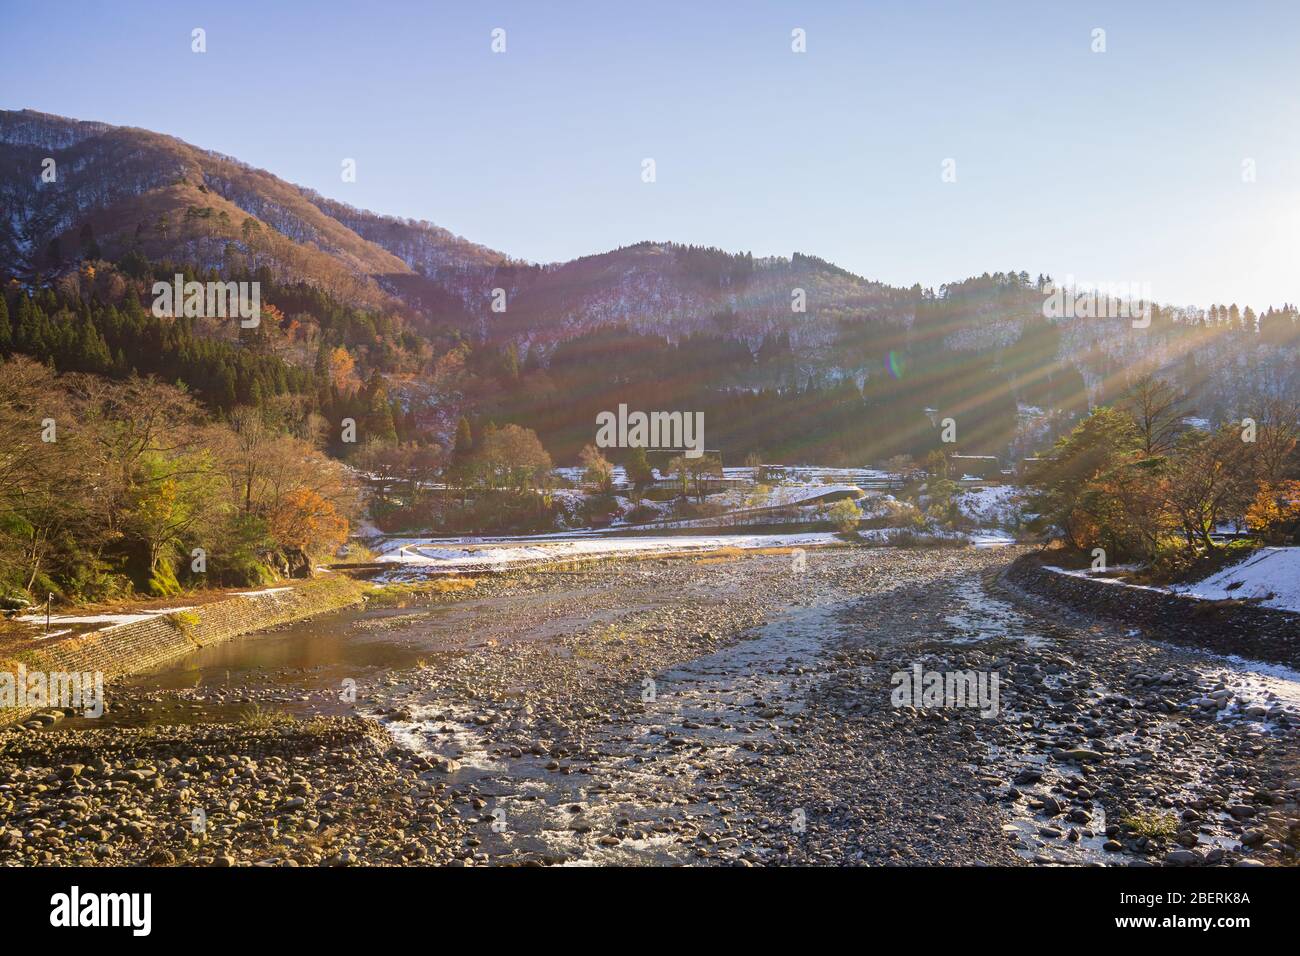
<point x="638" y="468"/>
<point x="378" y="419"/>
<point x="464" y="445"/>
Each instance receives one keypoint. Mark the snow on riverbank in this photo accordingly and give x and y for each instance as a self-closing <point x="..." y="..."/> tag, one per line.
<point x="102" y="619"/>
<point x="1270" y="576"/>
<point x="783" y="496"/>
<point x="1256" y="687"/>
<point x="426" y="554"/>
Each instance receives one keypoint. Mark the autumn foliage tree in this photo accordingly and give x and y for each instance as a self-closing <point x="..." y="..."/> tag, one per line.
<point x="596" y="469"/>
<point x="1136" y="481"/>
<point x="306" y="521"/>
<point x="1275" y="511"/>
<point x="109" y="488"/>
<point x="512" y="458"/>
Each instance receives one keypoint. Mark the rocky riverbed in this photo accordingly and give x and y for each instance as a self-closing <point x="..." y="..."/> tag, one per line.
<point x="735" y="709"/>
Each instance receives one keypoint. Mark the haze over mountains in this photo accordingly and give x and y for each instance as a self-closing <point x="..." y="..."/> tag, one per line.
<point x="979" y="346"/>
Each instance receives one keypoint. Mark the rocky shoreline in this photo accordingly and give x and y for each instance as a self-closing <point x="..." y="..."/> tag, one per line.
<point x="729" y="710"/>
<point x="215" y="795"/>
<point x="1226" y="627"/>
<point x="160" y="638"/>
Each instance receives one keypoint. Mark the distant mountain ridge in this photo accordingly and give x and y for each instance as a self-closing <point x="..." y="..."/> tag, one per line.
<point x="121" y="189"/>
<point x="133" y="188"/>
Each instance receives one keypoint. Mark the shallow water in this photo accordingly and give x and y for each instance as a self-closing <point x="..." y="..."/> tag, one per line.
<point x="644" y="779"/>
<point x="300" y="668"/>
<point x="982" y="617"/>
<point x="717" y="703"/>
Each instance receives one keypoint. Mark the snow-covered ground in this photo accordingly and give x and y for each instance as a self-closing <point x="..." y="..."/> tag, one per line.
<point x="780" y="495"/>
<point x="1255" y="684"/>
<point x="1269" y="575"/>
<point x="818" y="474"/>
<point x="1092" y="576"/>
<point x="743" y="508"/>
<point x="574" y="473"/>
<point x="424" y="555"/>
<point x="801" y="474"/>
<point x="116" y="619"/>
<point x="993" y="506"/>
<point x="105" y="619"/>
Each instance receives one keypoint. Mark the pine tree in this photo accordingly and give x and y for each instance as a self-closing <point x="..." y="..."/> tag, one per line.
<point x="6" y="334"/>
<point x="464" y="445"/>
<point x="379" y="414"/>
<point x="510" y="363"/>
<point x="638" y="468"/>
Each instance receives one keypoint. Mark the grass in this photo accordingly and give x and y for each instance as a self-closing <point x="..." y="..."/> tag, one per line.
<point x="721" y="556"/>
<point x="316" y="726"/>
<point x="1173" y="565"/>
<point x="402" y="594"/>
<point x="185" y="620"/>
<point x="257" y="717"/>
<point x="32" y="660"/>
<point x="1151" y="823"/>
<point x="357" y="554"/>
<point x="724" y="554"/>
<point x="612" y="632"/>
<point x="600" y="639"/>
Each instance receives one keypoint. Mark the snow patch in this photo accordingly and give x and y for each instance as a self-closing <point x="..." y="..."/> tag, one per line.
<point x="1270" y="576"/>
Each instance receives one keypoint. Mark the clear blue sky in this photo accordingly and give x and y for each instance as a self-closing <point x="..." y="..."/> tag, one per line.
<point x="1118" y="166"/>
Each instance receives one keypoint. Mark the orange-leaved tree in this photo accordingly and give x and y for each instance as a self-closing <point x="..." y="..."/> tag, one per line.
<point x="307" y="521"/>
<point x="1275" y="512"/>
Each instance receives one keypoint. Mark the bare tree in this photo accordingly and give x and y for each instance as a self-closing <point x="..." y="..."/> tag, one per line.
<point x="1212" y="481"/>
<point x="1277" y="424"/>
<point x="1157" y="411"/>
<point x="251" y="451"/>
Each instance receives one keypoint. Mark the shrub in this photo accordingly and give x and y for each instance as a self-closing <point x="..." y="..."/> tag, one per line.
<point x="844" y="515"/>
<point x="686" y="509"/>
<point x="642" y="514"/>
<point x="1173" y="563"/>
<point x="185" y="620"/>
<point x="1151" y="823"/>
<point x="162" y="581"/>
<point x="257" y="717"/>
<point x="600" y="509"/>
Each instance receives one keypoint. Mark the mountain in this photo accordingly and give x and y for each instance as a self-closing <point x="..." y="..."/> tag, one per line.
<point x="979" y="349"/>
<point x="123" y="188"/>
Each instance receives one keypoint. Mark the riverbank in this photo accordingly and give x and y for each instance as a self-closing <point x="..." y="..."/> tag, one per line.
<point x="295" y="793"/>
<point x="1225" y="626"/>
<point x="733" y="710"/>
<point x="154" y="639"/>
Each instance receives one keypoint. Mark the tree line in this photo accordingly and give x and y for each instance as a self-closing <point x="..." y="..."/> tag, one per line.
<point x="1137" y="481"/>
<point x="110" y="488"/>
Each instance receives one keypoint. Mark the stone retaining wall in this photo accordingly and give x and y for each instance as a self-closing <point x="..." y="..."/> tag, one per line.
<point x="129" y="648"/>
<point x="1226" y="627"/>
